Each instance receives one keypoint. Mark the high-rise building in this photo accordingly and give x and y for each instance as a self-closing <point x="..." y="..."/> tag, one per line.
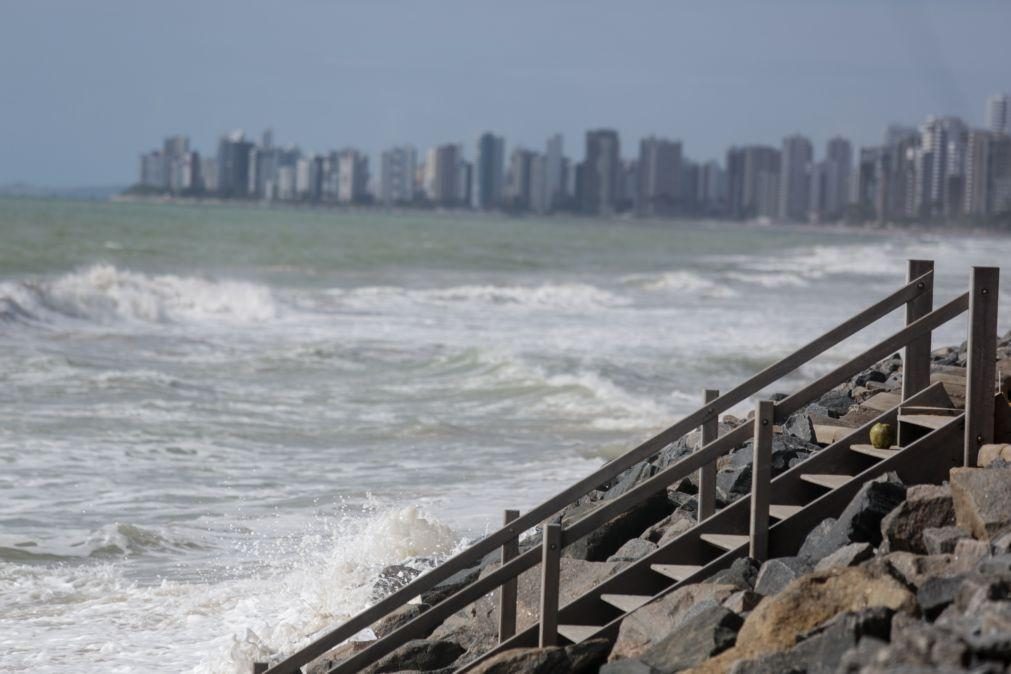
<point x="396" y="175"/>
<point x="601" y="175"/>
<point x="520" y="179"/>
<point x="838" y="166"/>
<point x="711" y="194"/>
<point x="442" y="179"/>
<point x="539" y="201"/>
<point x="988" y="174"/>
<point x="234" y="154"/>
<point x="152" y="170"/>
<point x="352" y="176"/>
<point x="795" y="179"/>
<point x="753" y="181"/>
<point x="554" y="175"/>
<point x="940" y="165"/>
<point x="998" y="113"/>
<point x="488" y="191"/>
<point x="659" y="177"/>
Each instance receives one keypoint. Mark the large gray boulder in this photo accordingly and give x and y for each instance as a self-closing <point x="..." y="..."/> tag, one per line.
<point x="860" y="522"/>
<point x="982" y="500"/>
<point x="926" y="505"/>
<point x="706" y="631"/>
<point x="779" y="572"/>
<point x="582" y="658"/>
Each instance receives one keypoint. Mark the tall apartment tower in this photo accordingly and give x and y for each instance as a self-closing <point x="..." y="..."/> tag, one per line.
<point x="396" y="175"/>
<point x="554" y="175"/>
<point x="753" y="182"/>
<point x="795" y="179"/>
<point x="235" y="156"/>
<point x="520" y="180"/>
<point x="601" y="179"/>
<point x="998" y="109"/>
<point x="659" y="177"/>
<point x="838" y="166"/>
<point x="442" y="175"/>
<point x="352" y="176"/>
<point x="488" y="170"/>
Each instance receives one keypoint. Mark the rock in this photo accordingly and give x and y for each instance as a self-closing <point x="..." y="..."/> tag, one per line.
<point x="777" y="573"/>
<point x="581" y="658"/>
<point x="868" y="376"/>
<point x="1001" y="545"/>
<point x="799" y="425"/>
<point x="819" y="651"/>
<point x="935" y="594"/>
<point x="998" y="565"/>
<point x="657" y="531"/>
<point x="326" y="662"/>
<point x="705" y="633"/>
<point x="651" y="623"/>
<point x="836" y="402"/>
<point x="392" y="578"/>
<point x="941" y="540"/>
<point x="864" y="654"/>
<point x="604" y="541"/>
<point x="982" y="499"/>
<point x="926" y="505"/>
<point x="915" y="570"/>
<point x="921" y="644"/>
<point x="419" y="654"/>
<point x="634" y="549"/>
<point x="989" y="454"/>
<point x="860" y="522"/>
<point x="781" y="621"/>
<point x="742" y="574"/>
<point x="847" y="555"/>
<point x="398" y="618"/>
<point x="640" y="472"/>
<point x="743" y="601"/>
<point x="627" y="667"/>
<point x="675" y="530"/>
<point x="475" y="627"/>
<point x="734" y="481"/>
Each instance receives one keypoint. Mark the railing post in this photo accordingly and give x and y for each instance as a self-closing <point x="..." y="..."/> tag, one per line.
<point x="916" y="359"/>
<point x="761" y="474"/>
<point x="507" y="593"/>
<point x="707" y="473"/>
<point x="550" y="562"/>
<point x="981" y="361"/>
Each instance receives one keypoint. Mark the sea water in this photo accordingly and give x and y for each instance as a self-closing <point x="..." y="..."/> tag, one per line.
<point x="219" y="423"/>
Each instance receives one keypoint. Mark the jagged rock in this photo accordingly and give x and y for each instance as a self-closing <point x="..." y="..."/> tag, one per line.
<point x="990" y="454"/>
<point x="451" y="585"/>
<point x="935" y="594"/>
<point x="640" y="472"/>
<point x="1001" y="545"/>
<point x="657" y="531"/>
<point x="982" y="498"/>
<point x="742" y="574"/>
<point x="581" y="658"/>
<point x="820" y="650"/>
<point x="475" y="627"/>
<point x="633" y="549"/>
<point x="326" y="662"/>
<point x="397" y="618"/>
<point x="998" y="565"/>
<point x="799" y="425"/>
<point x="926" y="505"/>
<point x="392" y="578"/>
<point x="780" y="621"/>
<point x="785" y="449"/>
<point x="704" y="633"/>
<point x="779" y="572"/>
<point x="914" y="570"/>
<point x="676" y="528"/>
<point x="420" y="655"/>
<point x="868" y="376"/>
<point x="847" y="555"/>
<point x="836" y="402"/>
<point x="734" y="481"/>
<point x="651" y="623"/>
<point x="860" y="522"/>
<point x="743" y="601"/>
<point x="864" y="654"/>
<point x="604" y="541"/>
<point x="942" y="540"/>
<point x="627" y="667"/>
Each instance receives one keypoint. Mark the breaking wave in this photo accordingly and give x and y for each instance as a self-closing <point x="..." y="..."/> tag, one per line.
<point x="103" y="293"/>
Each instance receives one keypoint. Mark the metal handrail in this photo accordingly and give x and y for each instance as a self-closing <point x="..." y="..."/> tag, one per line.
<point x="419" y="626"/>
<point x="474" y="554"/>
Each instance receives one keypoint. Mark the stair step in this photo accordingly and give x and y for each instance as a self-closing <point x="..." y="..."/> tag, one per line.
<point x="676" y="572"/>
<point x="826" y="480"/>
<point x="871" y="450"/>
<point x="931" y="421"/>
<point x="577" y="633"/>
<point x="725" y="541"/>
<point x="827" y="435"/>
<point x="882" y="402"/>
<point x="626" y="602"/>
<point x="781" y="512"/>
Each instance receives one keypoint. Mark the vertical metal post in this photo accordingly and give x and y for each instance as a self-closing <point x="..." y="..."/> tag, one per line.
<point x="550" y="562"/>
<point x="707" y="473"/>
<point x="507" y="593"/>
<point x="761" y="474"/>
<point x="981" y="361"/>
<point x="916" y="359"/>
<point x="260" y="667"/>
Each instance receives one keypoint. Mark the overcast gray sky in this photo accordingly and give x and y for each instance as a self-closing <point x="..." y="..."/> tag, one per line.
<point x="85" y="86"/>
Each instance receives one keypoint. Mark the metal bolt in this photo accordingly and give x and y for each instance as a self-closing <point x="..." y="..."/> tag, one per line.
<point x="921" y="285"/>
<point x="979" y="438"/>
<point x="765" y="422"/>
<point x="984" y="291"/>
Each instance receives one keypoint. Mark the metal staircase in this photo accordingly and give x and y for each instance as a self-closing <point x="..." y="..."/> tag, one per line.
<point x="772" y="521"/>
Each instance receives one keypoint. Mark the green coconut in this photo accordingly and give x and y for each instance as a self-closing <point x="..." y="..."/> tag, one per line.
<point x="882" y="436"/>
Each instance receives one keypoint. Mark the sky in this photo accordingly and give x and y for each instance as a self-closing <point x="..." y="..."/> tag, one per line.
<point x="85" y="87"/>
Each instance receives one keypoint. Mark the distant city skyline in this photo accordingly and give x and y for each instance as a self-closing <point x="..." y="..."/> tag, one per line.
<point x="84" y="87"/>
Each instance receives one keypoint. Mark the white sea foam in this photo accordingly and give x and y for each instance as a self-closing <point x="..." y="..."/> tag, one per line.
<point x="680" y="281"/>
<point x="547" y="296"/>
<point x="103" y="293"/>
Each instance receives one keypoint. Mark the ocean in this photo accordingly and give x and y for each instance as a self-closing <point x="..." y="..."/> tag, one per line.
<point x="219" y="423"/>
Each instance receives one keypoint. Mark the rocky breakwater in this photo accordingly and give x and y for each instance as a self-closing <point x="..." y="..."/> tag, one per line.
<point x="908" y="578"/>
